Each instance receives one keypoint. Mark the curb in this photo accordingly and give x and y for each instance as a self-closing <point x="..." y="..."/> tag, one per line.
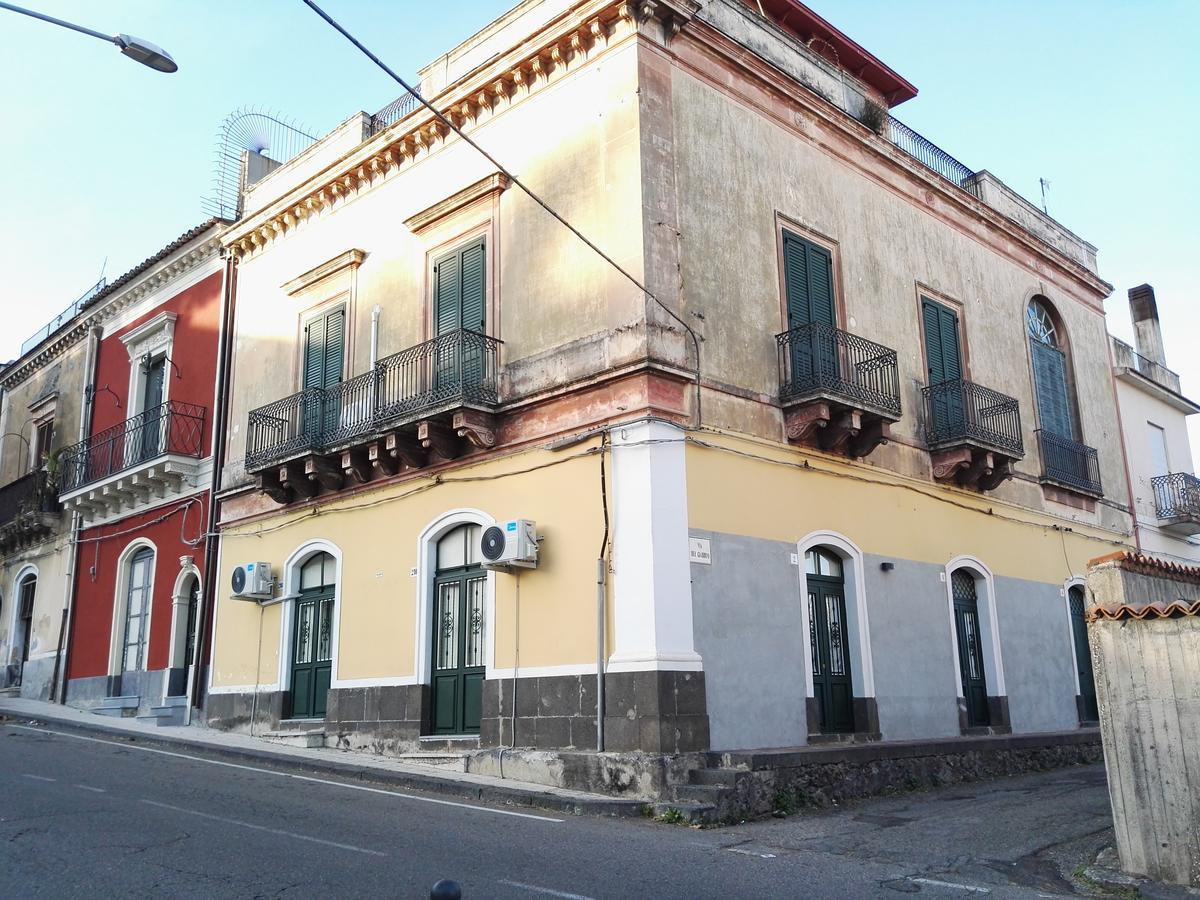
<point x="496" y="795"/>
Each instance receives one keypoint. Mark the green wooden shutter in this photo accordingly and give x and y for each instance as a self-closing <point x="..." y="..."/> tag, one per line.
<point x="472" y="261"/>
<point x="942" y="351"/>
<point x="335" y="347"/>
<point x="447" y="283"/>
<point x="820" y="285"/>
<point x="951" y="353"/>
<point x="808" y="282"/>
<point x="1050" y="380"/>
<point x="314" y="353"/>
<point x="795" y="279"/>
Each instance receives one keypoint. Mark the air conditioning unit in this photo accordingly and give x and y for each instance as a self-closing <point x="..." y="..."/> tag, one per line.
<point x="510" y="544"/>
<point x="253" y="581"/>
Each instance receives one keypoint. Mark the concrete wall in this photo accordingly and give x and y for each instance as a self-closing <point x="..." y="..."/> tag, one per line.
<point x="1149" y="701"/>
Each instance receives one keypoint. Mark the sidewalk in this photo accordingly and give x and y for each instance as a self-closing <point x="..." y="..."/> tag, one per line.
<point x="201" y="741"/>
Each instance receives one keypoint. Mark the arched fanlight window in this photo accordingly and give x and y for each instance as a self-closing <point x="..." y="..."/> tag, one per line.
<point x="1041" y="323"/>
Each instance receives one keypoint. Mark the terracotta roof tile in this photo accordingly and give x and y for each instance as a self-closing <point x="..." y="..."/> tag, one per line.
<point x="1145" y="564"/>
<point x="1157" y="610"/>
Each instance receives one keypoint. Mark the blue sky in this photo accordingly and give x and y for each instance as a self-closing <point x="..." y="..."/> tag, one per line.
<point x="107" y="159"/>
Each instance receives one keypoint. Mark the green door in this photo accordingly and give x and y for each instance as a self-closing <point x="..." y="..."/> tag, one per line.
<point x="943" y="354"/>
<point x="324" y="359"/>
<point x="970" y="648"/>
<point x="458" y="661"/>
<point x="459" y="312"/>
<point x="153" y="432"/>
<point x="1088" y="710"/>
<point x="808" y="281"/>
<point x="312" y="638"/>
<point x="829" y="642"/>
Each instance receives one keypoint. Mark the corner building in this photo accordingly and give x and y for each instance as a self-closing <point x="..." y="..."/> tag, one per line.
<point x="861" y="519"/>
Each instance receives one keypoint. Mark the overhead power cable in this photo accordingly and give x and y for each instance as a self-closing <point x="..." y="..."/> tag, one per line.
<point x="521" y="185"/>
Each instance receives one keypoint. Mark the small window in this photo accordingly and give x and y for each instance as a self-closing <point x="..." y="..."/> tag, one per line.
<point x="823" y="563"/>
<point x="43" y="442"/>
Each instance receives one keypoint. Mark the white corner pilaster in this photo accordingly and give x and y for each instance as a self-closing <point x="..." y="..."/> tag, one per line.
<point x="652" y="585"/>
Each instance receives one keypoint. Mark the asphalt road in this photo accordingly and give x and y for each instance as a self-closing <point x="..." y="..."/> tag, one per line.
<point x="90" y="817"/>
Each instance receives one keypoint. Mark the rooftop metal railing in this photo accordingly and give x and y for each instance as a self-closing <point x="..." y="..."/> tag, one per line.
<point x="959" y="410"/>
<point x="173" y="428"/>
<point x="63" y="317"/>
<point x="1069" y="462"/>
<point x="931" y="155"/>
<point x="393" y="112"/>
<point x="817" y="359"/>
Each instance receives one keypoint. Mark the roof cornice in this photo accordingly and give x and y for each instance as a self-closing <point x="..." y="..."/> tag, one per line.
<point x="577" y="36"/>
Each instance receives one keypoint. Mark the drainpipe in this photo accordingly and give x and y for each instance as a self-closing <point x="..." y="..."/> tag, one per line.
<point x="66" y="628"/>
<point x="375" y="311"/>
<point x="211" y="545"/>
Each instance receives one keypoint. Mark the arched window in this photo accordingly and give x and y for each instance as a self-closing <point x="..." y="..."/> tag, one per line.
<point x="137" y="610"/>
<point x="1047" y="343"/>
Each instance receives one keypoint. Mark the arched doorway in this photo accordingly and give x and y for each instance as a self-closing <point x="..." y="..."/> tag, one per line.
<point x="1088" y="709"/>
<point x="970" y="647"/>
<point x="828" y="635"/>
<point x="458" y="664"/>
<point x="26" y="591"/>
<point x="312" y="637"/>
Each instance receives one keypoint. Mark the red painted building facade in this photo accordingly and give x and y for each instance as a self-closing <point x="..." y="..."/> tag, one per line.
<point x="140" y="483"/>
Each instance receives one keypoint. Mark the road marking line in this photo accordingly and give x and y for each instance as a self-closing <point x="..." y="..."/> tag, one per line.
<point x="351" y="787"/>
<point x="550" y="892"/>
<point x="96" y="790"/>
<point x="933" y="882"/>
<point x="251" y="825"/>
<point x="40" y="778"/>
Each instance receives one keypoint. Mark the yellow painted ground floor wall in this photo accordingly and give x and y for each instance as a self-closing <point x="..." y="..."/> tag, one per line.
<point x="380" y="539"/>
<point x="760" y="506"/>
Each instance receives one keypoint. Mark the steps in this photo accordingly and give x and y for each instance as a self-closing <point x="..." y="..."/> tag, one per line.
<point x="118" y="707"/>
<point x="170" y="713"/>
<point x="452" y="762"/>
<point x="708" y="797"/>
<point x="11" y="691"/>
<point x="447" y="744"/>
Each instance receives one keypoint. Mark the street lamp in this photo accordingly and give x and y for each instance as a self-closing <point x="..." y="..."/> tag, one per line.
<point x="135" y="48"/>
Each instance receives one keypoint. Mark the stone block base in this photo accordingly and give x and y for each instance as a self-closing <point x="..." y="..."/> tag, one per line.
<point x="245" y="712"/>
<point x="387" y="720"/>
<point x="650" y="712"/>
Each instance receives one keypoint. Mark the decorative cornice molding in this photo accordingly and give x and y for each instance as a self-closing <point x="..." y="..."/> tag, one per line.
<point x="351" y="259"/>
<point x="558" y="49"/>
<point x="151" y="335"/>
<point x="485" y="187"/>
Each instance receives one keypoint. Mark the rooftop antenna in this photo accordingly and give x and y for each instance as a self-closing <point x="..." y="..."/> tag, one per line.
<point x="1045" y="184"/>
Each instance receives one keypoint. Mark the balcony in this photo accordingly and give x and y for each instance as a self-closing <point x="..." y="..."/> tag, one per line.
<point x="29" y="511"/>
<point x="1177" y="502"/>
<point x="429" y="401"/>
<point x="143" y="458"/>
<point x="973" y="433"/>
<point x="1069" y="464"/>
<point x="839" y="391"/>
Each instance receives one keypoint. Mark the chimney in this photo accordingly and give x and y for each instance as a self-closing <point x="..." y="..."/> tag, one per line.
<point x="1147" y="332"/>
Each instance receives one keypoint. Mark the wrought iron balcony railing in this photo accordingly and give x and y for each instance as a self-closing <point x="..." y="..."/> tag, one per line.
<point x="31" y="493"/>
<point x="453" y="369"/>
<point x="960" y="411"/>
<point x="1176" y="496"/>
<point x="1069" y="462"/>
<point x="173" y="428"/>
<point x="819" y="360"/>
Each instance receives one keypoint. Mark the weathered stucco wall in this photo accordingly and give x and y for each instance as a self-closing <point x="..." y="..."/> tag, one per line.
<point x="741" y="173"/>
